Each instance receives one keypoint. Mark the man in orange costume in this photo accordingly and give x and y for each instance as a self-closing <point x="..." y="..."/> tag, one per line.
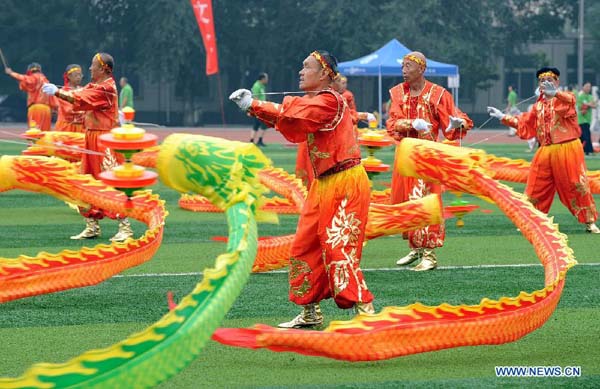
<point x="341" y="86"/>
<point x="99" y="101"/>
<point x="39" y="105"/>
<point x="325" y="257"/>
<point x="558" y="165"/>
<point x="421" y="109"/>
<point x="304" y="169"/>
<point x="69" y="120"/>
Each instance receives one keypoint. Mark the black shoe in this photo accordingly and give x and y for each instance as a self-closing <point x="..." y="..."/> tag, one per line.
<point x="260" y="143"/>
<point x="251" y="141"/>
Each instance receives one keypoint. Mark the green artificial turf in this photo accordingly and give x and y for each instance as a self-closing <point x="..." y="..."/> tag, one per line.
<point x="59" y="326"/>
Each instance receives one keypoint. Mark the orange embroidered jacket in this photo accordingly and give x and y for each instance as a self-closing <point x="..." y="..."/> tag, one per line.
<point x="349" y="97"/>
<point x="551" y="121"/>
<point x="32" y="84"/>
<point x="100" y="102"/>
<point x="66" y="114"/>
<point x="323" y="121"/>
<point x="434" y="105"/>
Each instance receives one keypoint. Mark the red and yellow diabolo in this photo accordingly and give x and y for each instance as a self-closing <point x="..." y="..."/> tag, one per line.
<point x="374" y="140"/>
<point x="128" y="140"/>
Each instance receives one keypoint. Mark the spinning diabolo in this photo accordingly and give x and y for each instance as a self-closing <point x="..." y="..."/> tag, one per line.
<point x="128" y="140"/>
<point x="373" y="140"/>
<point x="459" y="208"/>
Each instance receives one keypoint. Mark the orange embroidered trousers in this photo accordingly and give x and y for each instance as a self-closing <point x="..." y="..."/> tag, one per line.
<point x="561" y="168"/>
<point x="410" y="188"/>
<point x="92" y="164"/>
<point x="326" y="253"/>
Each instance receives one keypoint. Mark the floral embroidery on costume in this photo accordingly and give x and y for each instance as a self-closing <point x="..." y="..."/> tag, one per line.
<point x="344" y="227"/>
<point x="583" y="186"/>
<point x="344" y="231"/>
<point x="315" y="153"/>
<point x="298" y="268"/>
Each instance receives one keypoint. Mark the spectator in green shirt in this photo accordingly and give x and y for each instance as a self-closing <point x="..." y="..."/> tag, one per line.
<point x="259" y="91"/>
<point x="126" y="96"/>
<point x="511" y="107"/>
<point x="585" y="101"/>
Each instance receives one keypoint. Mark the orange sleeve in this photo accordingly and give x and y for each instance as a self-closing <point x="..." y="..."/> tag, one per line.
<point x="18" y="76"/>
<point x="565" y="104"/>
<point x="265" y="111"/>
<point x="298" y="116"/>
<point x="525" y="123"/>
<point x="445" y="109"/>
<point x="54" y="102"/>
<point x="349" y="96"/>
<point x="397" y="125"/>
<point x="92" y="98"/>
<point x="26" y="83"/>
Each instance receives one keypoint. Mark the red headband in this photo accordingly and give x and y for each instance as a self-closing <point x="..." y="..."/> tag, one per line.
<point x="328" y="69"/>
<point x="31" y="69"/>
<point x="104" y="66"/>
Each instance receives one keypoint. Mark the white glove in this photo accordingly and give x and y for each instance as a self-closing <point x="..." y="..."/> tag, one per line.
<point x="421" y="125"/>
<point x="512" y="131"/>
<point x="456" y="122"/>
<point x="49" y="89"/>
<point x="242" y="97"/>
<point x="495" y="113"/>
<point x="371" y="117"/>
<point x="549" y="89"/>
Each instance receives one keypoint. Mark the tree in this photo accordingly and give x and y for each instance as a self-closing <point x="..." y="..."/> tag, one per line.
<point x="592" y="30"/>
<point x="29" y="35"/>
<point x="159" y="40"/>
<point x="474" y="34"/>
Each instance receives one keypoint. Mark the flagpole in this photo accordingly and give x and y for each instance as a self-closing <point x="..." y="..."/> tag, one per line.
<point x="580" y="46"/>
<point x="380" y="124"/>
<point x="220" y="88"/>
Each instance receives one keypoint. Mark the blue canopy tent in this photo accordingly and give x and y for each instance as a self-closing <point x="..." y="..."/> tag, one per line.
<point x="387" y="61"/>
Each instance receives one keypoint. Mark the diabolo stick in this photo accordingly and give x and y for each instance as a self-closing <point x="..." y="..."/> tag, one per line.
<point x="3" y="59"/>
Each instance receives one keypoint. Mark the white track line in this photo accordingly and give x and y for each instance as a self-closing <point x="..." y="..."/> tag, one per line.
<point x="364" y="270"/>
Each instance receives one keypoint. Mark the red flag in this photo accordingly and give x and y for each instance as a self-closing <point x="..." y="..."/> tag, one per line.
<point x="204" y="17"/>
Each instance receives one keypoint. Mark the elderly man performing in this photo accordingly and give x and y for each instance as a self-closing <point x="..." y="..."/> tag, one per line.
<point x="304" y="169"/>
<point x="558" y="165"/>
<point x="340" y="84"/>
<point x="39" y="105"/>
<point x="421" y="109"/>
<point x="325" y="257"/>
<point x="99" y="101"/>
<point x="68" y="119"/>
